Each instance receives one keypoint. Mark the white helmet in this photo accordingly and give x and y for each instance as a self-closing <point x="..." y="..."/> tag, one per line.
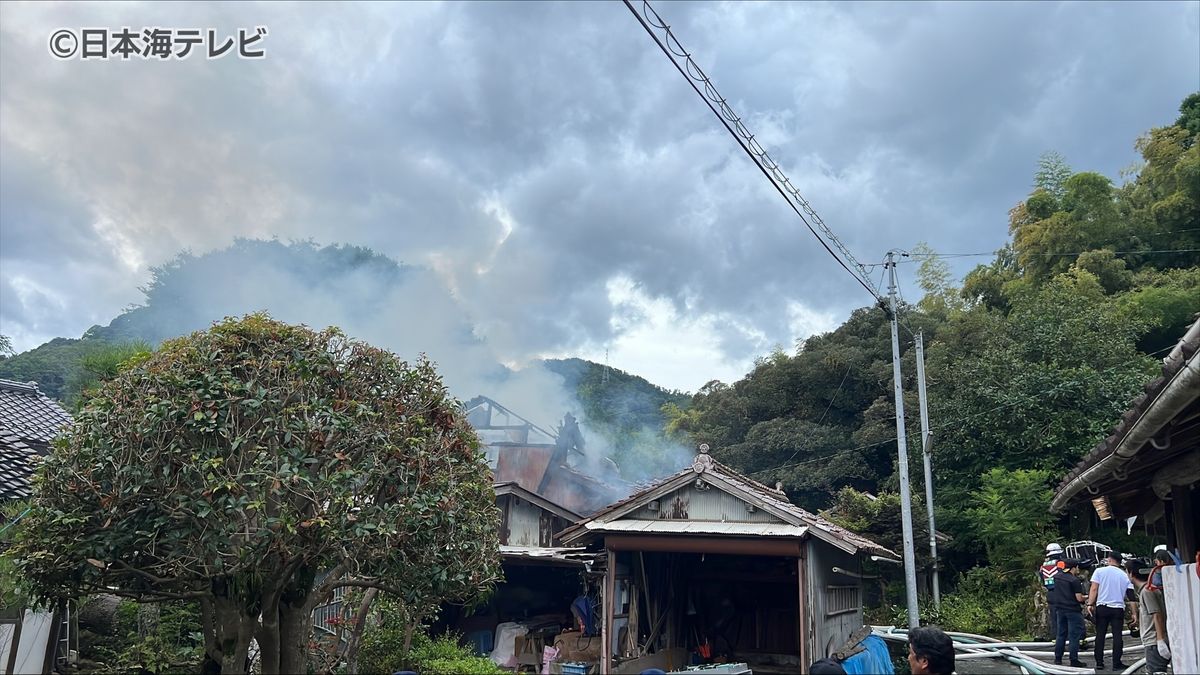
<point x="1053" y="548"/>
<point x="1160" y="547"/>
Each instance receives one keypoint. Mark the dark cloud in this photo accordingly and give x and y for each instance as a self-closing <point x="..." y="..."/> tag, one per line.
<point x="533" y="153"/>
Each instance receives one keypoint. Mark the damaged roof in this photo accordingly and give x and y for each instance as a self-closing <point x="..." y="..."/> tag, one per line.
<point x="796" y="522"/>
<point x="25" y="411"/>
<point x="557" y="556"/>
<point x="1179" y="369"/>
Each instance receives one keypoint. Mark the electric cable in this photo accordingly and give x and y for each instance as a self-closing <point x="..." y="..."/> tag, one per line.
<point x="734" y="125"/>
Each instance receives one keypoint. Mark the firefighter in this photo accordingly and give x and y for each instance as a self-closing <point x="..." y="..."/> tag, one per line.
<point x="1050" y="566"/>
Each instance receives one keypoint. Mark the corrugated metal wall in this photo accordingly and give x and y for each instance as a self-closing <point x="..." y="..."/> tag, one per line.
<point x="712" y="505"/>
<point x="830" y="594"/>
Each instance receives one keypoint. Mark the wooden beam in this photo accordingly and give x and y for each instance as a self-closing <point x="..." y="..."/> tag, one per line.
<point x="1185" y="524"/>
<point x="609" y="602"/>
<point x="802" y="616"/>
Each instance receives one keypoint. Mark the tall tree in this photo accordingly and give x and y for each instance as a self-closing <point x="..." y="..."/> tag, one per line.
<point x="1052" y="174"/>
<point x="254" y="468"/>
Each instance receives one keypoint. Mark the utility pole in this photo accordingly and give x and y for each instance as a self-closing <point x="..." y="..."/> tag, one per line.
<point x="927" y="447"/>
<point x="910" y="561"/>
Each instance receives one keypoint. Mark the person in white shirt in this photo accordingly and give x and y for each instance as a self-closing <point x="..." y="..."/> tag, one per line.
<point x="1106" y="603"/>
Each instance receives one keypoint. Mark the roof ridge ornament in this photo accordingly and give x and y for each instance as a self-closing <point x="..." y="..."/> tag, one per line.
<point x="703" y="461"/>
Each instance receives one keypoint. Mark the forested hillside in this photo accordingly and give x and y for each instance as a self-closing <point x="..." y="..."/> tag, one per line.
<point x="1030" y="360"/>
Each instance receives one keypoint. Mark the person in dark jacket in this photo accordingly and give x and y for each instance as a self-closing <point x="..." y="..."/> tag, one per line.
<point x="1066" y="597"/>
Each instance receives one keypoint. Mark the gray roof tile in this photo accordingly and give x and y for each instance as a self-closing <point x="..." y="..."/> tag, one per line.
<point x="29" y="414"/>
<point x="17" y="461"/>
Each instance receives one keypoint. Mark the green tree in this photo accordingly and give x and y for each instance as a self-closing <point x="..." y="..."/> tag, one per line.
<point x="1189" y="117"/>
<point x="1052" y="174"/>
<point x="254" y="468"/>
<point x="1010" y="516"/>
<point x="6" y="348"/>
<point x="934" y="278"/>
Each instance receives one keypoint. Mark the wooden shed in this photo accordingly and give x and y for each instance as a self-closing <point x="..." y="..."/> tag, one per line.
<point x="709" y="561"/>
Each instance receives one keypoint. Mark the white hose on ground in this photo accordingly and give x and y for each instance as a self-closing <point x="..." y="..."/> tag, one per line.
<point x="981" y="646"/>
<point x="1134" y="666"/>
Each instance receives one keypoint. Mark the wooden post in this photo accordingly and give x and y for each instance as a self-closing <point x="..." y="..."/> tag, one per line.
<point x="802" y="616"/>
<point x="1185" y="525"/>
<point x="16" y="643"/>
<point x="610" y="591"/>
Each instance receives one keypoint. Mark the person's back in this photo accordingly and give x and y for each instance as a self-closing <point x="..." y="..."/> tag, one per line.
<point x="1112" y="582"/>
<point x="1106" y="601"/>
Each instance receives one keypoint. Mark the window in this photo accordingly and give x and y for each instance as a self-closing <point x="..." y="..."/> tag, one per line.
<point x="841" y="600"/>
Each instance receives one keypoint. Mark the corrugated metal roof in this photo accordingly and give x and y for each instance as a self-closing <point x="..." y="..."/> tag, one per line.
<point x="30" y="414"/>
<point x="700" y="527"/>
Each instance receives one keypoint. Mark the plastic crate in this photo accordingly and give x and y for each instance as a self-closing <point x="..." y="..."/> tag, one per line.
<point x="575" y="668"/>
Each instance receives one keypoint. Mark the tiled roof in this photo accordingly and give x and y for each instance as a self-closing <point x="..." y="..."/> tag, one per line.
<point x="819" y="526"/>
<point x="30" y="414"/>
<point x="1172" y="367"/>
<point x="17" y="461"/>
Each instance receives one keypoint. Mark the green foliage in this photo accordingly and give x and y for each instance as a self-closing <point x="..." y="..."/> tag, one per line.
<point x="983" y="604"/>
<point x="52" y="365"/>
<point x="1010" y="517"/>
<point x="382" y="651"/>
<point x="933" y="276"/>
<point x="878" y="517"/>
<point x="15" y="592"/>
<point x="100" y="363"/>
<point x="162" y="638"/>
<point x="1189" y="115"/>
<point x="1052" y="175"/>
<point x="1166" y="301"/>
<point x="235" y="463"/>
<point x="6" y="348"/>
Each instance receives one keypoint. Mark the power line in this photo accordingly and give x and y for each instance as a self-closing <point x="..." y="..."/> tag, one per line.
<point x="1026" y="399"/>
<point x="691" y="72"/>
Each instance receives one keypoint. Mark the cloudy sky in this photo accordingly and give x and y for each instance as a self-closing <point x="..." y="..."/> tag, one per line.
<point x="567" y="187"/>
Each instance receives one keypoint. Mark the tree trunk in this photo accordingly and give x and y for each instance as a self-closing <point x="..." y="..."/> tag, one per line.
<point x="360" y="620"/>
<point x="295" y="622"/>
<point x="269" y="644"/>
<point x="234" y="630"/>
<point x="295" y="626"/>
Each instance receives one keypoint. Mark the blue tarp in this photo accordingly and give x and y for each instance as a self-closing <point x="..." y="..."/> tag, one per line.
<point x="874" y="660"/>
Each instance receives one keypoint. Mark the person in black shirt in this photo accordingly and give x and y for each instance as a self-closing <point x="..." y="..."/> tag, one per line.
<point x="1066" y="597"/>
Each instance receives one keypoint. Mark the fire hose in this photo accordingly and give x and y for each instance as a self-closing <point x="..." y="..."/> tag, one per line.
<point x="971" y="646"/>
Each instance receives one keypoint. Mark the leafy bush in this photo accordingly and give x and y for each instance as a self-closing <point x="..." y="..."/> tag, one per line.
<point x="982" y="605"/>
<point x="162" y="638"/>
<point x="382" y="651"/>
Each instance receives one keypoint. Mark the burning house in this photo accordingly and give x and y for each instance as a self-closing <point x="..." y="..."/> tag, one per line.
<point x="705" y="565"/>
<point x="542" y="462"/>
